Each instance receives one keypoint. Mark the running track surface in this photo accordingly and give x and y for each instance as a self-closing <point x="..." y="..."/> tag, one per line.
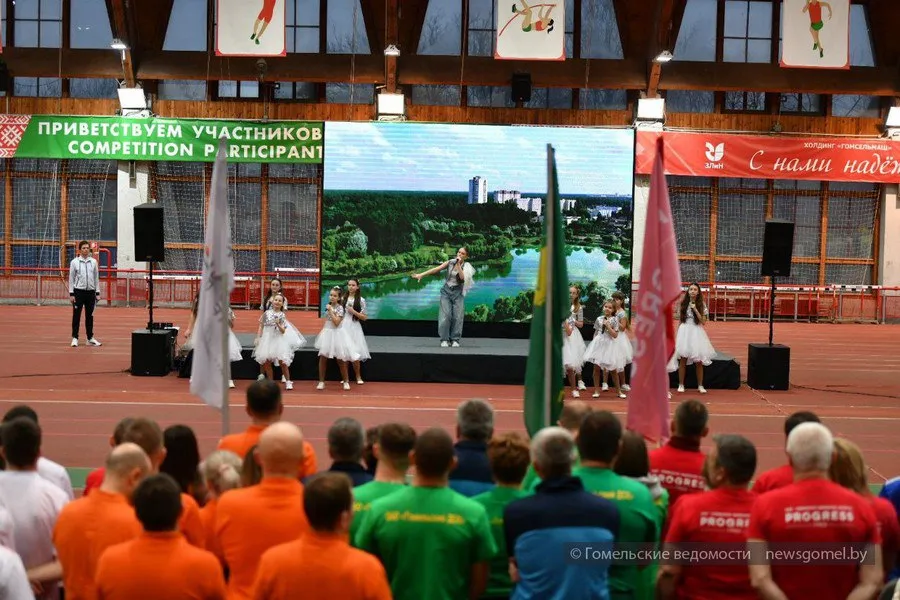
<point x="848" y="374"/>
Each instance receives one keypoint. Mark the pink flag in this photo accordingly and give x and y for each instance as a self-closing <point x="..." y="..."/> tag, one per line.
<point x="660" y="286"/>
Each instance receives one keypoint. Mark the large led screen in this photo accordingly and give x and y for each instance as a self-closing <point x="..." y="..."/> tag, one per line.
<point x="401" y="198"/>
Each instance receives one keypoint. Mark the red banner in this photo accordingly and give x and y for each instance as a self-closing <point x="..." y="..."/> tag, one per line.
<point x="771" y="157"/>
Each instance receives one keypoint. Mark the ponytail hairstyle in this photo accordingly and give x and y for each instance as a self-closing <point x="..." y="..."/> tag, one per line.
<point x="270" y="294"/>
<point x="222" y="472"/>
<point x="686" y="301"/>
<point x="357" y="299"/>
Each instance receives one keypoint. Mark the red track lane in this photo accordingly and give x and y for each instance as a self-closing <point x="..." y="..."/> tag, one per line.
<point x="849" y="374"/>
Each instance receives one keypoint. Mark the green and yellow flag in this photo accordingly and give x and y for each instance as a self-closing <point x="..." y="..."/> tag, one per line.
<point x="544" y="386"/>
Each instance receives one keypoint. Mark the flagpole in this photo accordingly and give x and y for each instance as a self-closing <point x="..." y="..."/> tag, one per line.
<point x="550" y="287"/>
<point x="225" y="303"/>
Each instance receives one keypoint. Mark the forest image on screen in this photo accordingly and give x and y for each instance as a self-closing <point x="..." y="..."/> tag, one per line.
<point x="401" y="198"/>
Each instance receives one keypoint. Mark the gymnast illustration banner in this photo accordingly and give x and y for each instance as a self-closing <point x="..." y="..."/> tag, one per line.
<point x="251" y="28"/>
<point x="816" y="34"/>
<point x="530" y="30"/>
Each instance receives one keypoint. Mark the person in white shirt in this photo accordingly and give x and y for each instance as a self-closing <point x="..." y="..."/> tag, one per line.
<point x="33" y="503"/>
<point x="84" y="289"/>
<point x="14" y="583"/>
<point x="49" y="470"/>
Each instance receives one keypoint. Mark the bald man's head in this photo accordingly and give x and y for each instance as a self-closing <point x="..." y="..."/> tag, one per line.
<point x="572" y="414"/>
<point x="126" y="465"/>
<point x="280" y="450"/>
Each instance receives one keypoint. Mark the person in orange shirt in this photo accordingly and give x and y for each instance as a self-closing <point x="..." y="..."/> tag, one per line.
<point x="147" y="434"/>
<point x="95" y="477"/>
<point x="221" y="472"/>
<point x="88" y="526"/>
<point x="322" y="563"/>
<point x="251" y="520"/>
<point x="159" y="563"/>
<point x="264" y="407"/>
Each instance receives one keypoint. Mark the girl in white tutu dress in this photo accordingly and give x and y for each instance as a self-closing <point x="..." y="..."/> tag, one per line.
<point x="573" y="342"/>
<point x="354" y="313"/>
<point x="623" y="340"/>
<point x="234" y="346"/>
<point x="276" y="287"/>
<point x="277" y="341"/>
<point x="603" y="350"/>
<point x="692" y="345"/>
<point x="333" y="341"/>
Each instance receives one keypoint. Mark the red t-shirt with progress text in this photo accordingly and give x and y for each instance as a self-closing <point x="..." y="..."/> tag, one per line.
<point x="679" y="467"/>
<point x="720" y="516"/>
<point x="814" y="511"/>
<point x="774" y="479"/>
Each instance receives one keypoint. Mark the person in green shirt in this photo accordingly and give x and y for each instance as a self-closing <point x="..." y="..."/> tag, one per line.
<point x="633" y="462"/>
<point x="599" y="440"/>
<point x="434" y="543"/>
<point x="570" y="418"/>
<point x="391" y="451"/>
<point x="509" y="455"/>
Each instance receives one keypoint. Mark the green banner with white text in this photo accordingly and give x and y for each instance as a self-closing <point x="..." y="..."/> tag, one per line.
<point x="159" y="139"/>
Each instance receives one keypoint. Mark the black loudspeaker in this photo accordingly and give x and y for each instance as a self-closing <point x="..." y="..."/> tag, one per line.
<point x="153" y="352"/>
<point x="521" y="87"/>
<point x="778" y="248"/>
<point x="149" y="242"/>
<point x="768" y="367"/>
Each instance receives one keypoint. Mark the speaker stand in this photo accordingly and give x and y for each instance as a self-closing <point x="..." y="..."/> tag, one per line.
<point x="769" y="366"/>
<point x="772" y="312"/>
<point x="150" y="299"/>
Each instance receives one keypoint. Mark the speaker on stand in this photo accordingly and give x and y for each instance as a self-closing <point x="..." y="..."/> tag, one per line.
<point x="520" y="88"/>
<point x="152" y="349"/>
<point x="769" y="365"/>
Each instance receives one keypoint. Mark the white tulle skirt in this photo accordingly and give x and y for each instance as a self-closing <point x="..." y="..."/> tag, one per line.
<point x="234" y="346"/>
<point x="626" y="348"/>
<point x="573" y="350"/>
<point x="334" y="342"/>
<point x="606" y="353"/>
<point x="277" y="347"/>
<point x="357" y="347"/>
<point x="692" y="344"/>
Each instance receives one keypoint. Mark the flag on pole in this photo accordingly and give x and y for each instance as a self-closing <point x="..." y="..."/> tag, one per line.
<point x="648" y="403"/>
<point x="544" y="373"/>
<point x="211" y="367"/>
<point x="530" y="30"/>
<point x="252" y="27"/>
<point x="815" y="34"/>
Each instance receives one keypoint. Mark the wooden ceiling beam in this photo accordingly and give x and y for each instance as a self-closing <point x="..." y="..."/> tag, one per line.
<point x="411" y="21"/>
<point x="373" y="16"/>
<point x="883" y="17"/>
<point x="122" y="21"/>
<point x="152" y="22"/>
<point x="444" y="70"/>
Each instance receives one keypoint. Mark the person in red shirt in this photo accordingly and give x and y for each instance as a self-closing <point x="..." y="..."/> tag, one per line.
<point x="783" y="475"/>
<point x="679" y="464"/>
<point x="95" y="477"/>
<point x="813" y="511"/>
<point x="719" y="516"/>
<point x="849" y="470"/>
<point x="160" y="563"/>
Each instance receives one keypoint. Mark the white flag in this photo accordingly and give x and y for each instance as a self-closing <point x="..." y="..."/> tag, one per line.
<point x="816" y="34"/>
<point x="530" y="30"/>
<point x="211" y="368"/>
<point x="251" y="28"/>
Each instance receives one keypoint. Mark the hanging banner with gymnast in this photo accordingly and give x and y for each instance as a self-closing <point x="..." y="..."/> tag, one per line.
<point x="251" y="28"/>
<point x="530" y="30"/>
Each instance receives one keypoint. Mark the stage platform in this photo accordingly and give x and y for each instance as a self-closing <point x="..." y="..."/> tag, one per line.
<point x="422" y="359"/>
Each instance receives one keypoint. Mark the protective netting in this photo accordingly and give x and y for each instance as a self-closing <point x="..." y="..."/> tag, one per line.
<point x="724" y="219"/>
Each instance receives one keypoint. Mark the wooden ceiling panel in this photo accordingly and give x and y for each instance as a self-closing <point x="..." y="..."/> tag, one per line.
<point x="411" y="22"/>
<point x="373" y="12"/>
<point x="884" y="17"/>
<point x="152" y="18"/>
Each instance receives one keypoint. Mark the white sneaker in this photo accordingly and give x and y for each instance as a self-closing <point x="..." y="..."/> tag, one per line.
<point x="701" y="389"/>
<point x="605" y="387"/>
<point x="289" y="385"/>
<point x="231" y="383"/>
<point x="283" y="379"/>
<point x="321" y="385"/>
<point x="622" y="395"/>
<point x="94" y="342"/>
<point x="260" y="377"/>
<point x="359" y="382"/>
<point x="74" y="342"/>
<point x="575" y="394"/>
<point x="595" y="395"/>
<point x="455" y="344"/>
<point x="680" y="389"/>
<point x="346" y="385"/>
<point x="445" y="345"/>
<point x="581" y="385"/>
<point x="626" y="387"/>
<point x="669" y="394"/>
